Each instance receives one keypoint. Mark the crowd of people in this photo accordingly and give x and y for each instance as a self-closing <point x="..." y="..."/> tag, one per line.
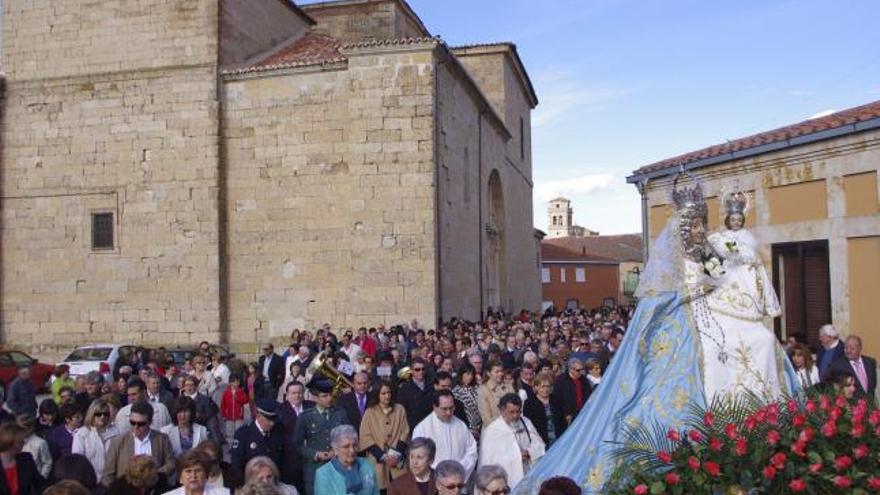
<point x="464" y="408"/>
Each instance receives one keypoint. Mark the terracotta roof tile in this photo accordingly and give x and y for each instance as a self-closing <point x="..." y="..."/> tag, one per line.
<point x="620" y="248"/>
<point x="309" y="50"/>
<point x="555" y="252"/>
<point x="838" y="119"/>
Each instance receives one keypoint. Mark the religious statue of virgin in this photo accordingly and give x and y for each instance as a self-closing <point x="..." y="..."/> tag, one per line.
<point x="697" y="334"/>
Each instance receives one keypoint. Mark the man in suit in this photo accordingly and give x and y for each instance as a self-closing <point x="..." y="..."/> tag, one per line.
<point x="262" y="437"/>
<point x="141" y="440"/>
<point x="155" y="392"/>
<point x="311" y="435"/>
<point x="271" y="369"/>
<point x="570" y="392"/>
<point x="864" y="368"/>
<point x="416" y="395"/>
<point x="355" y="402"/>
<point x="136" y="392"/>
<point x="829" y="351"/>
<point x="289" y="412"/>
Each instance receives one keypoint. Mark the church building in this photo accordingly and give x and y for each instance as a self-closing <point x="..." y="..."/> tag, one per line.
<point x="182" y="170"/>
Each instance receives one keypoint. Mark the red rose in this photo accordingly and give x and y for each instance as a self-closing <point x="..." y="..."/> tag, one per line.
<point x="810" y="406"/>
<point x="750" y="423"/>
<point x="835" y="414"/>
<point x="874" y="418"/>
<point x="778" y="460"/>
<point x="761" y="416"/>
<point x="712" y="468"/>
<point x="773" y="418"/>
<point x="840" y="401"/>
<point x="695" y="436"/>
<point x="799" y="448"/>
<point x="672" y="478"/>
<point x="694" y="463"/>
<point x="673" y="435"/>
<point x="769" y="472"/>
<point x="730" y="431"/>
<point x="829" y="429"/>
<point x="798" y="420"/>
<point x="665" y="457"/>
<point x="861" y="451"/>
<point x="715" y="444"/>
<point x="815" y="468"/>
<point x="842" y="462"/>
<point x="874" y="483"/>
<point x="708" y="419"/>
<point x="806" y="435"/>
<point x="797" y="485"/>
<point x="641" y="489"/>
<point x="858" y="430"/>
<point x="773" y="437"/>
<point x="792" y="405"/>
<point x="742" y="447"/>
<point x="842" y="481"/>
<point x="824" y="403"/>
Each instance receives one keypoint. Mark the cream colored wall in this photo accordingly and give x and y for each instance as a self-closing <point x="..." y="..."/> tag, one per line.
<point x="827" y="162"/>
<point x="95" y="124"/>
<point x="76" y="37"/>
<point x="331" y="196"/>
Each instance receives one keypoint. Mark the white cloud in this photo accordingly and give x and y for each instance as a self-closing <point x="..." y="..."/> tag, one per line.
<point x="823" y="113"/>
<point x="545" y="191"/>
<point x="561" y="93"/>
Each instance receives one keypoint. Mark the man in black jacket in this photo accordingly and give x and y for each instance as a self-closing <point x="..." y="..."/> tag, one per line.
<point x="271" y="369"/>
<point x="289" y="412"/>
<point x="852" y="362"/>
<point x="355" y="402"/>
<point x="416" y="395"/>
<point x="570" y="392"/>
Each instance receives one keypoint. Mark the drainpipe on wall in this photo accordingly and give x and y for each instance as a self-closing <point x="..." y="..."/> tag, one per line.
<point x="642" y="185"/>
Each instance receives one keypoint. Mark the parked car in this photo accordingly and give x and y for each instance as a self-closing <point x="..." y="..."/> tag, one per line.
<point x="10" y="361"/>
<point x="181" y="354"/>
<point x="100" y="357"/>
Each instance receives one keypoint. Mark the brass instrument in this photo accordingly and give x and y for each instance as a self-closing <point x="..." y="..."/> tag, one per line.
<point x="404" y="374"/>
<point x="321" y="364"/>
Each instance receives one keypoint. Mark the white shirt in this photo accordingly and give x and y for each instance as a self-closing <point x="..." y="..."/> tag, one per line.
<point x="453" y="439"/>
<point x="220" y="371"/>
<point x="143" y="447"/>
<point x="502" y="444"/>
<point x="210" y="489"/>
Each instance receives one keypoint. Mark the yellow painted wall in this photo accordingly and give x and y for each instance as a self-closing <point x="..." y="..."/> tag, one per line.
<point x="863" y="258"/>
<point x="798" y="202"/>
<point x="861" y="194"/>
<point x="657" y="218"/>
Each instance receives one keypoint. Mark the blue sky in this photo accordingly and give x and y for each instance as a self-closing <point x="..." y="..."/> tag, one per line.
<point x="624" y="83"/>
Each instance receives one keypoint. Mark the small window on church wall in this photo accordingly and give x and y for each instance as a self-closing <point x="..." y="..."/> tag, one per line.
<point x="580" y="275"/>
<point x="102" y="231"/>
<point x="545" y="275"/>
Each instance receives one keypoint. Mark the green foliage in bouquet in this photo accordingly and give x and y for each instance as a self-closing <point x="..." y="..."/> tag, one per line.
<point x="817" y="444"/>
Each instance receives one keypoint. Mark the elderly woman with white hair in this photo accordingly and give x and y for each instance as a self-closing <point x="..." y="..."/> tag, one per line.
<point x="261" y="470"/>
<point x="346" y="473"/>
<point x="491" y="480"/>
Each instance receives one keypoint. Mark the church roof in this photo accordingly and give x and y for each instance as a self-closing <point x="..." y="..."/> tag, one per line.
<point x="622" y="248"/>
<point x="844" y="122"/>
<point x="310" y="49"/>
<point x="551" y="252"/>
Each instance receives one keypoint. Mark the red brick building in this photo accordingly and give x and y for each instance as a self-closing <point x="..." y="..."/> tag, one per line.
<point x="571" y="278"/>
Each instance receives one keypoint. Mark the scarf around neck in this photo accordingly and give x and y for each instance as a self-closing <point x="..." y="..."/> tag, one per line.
<point x="353" y="483"/>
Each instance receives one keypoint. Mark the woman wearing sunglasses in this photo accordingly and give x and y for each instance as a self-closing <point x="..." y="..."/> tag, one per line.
<point x="491" y="480"/>
<point x="92" y="439"/>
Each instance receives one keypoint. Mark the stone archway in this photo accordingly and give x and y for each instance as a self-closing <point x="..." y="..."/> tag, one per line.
<point x="496" y="286"/>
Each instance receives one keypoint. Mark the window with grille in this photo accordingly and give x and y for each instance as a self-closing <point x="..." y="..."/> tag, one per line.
<point x="102" y="231"/>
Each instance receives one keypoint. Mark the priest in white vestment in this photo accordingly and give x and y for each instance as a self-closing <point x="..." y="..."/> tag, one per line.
<point x="451" y="435"/>
<point x="511" y="441"/>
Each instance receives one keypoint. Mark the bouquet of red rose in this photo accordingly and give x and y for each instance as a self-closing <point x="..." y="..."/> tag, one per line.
<point x="814" y="445"/>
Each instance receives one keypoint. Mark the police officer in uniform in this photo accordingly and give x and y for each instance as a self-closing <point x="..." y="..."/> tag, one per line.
<point x="311" y="436"/>
<point x="262" y="437"/>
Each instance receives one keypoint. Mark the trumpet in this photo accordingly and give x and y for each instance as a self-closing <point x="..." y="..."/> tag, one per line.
<point x="321" y="364"/>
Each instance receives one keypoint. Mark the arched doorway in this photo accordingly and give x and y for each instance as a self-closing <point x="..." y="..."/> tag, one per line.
<point x="496" y="286"/>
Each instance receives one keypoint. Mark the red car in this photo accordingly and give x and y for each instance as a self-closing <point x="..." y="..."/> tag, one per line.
<point x="11" y="360"/>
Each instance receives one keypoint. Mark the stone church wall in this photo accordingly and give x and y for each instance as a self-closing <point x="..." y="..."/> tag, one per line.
<point x="109" y="111"/>
<point x="331" y="195"/>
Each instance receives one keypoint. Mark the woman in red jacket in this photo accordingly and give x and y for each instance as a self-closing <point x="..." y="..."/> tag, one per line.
<point x="232" y="405"/>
